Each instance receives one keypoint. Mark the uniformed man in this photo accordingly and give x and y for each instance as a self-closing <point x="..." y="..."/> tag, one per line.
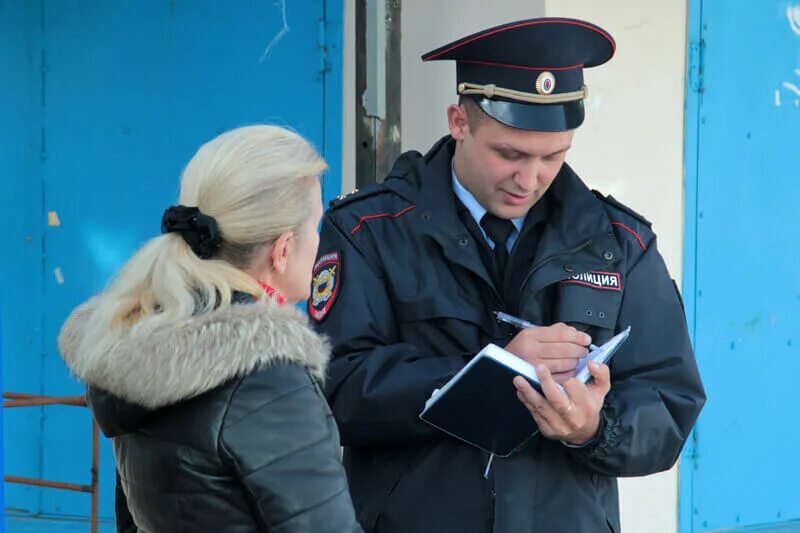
<point x="492" y="219"/>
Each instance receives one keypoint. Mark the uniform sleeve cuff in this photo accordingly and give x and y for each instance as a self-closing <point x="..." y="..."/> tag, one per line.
<point x="580" y="446"/>
<point x="594" y="440"/>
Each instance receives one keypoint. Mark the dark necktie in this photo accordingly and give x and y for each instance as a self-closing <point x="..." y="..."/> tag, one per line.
<point x="499" y="230"/>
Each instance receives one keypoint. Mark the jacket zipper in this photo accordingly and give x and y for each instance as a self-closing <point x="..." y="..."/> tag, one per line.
<point x="548" y="259"/>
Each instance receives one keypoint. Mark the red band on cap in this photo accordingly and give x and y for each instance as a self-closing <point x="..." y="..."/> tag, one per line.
<point x="520" y="67"/>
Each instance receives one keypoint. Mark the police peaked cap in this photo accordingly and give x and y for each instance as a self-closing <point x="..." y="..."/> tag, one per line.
<point x="528" y="74"/>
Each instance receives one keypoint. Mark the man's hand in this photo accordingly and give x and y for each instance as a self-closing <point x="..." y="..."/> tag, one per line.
<point x="573" y="417"/>
<point x="558" y="347"/>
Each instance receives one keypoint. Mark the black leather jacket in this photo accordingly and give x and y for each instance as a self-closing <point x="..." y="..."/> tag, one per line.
<point x="235" y="434"/>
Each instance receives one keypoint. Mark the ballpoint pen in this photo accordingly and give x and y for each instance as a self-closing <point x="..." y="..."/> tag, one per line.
<point x="521" y="323"/>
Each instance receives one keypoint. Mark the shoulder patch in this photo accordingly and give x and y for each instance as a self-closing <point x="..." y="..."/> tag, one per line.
<point x="622" y="207"/>
<point x="325" y="284"/>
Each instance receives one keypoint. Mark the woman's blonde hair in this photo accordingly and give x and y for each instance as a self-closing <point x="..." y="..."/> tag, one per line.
<point x="256" y="182"/>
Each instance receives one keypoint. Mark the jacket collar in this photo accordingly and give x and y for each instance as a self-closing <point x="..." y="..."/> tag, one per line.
<point x="170" y="364"/>
<point x="575" y="217"/>
<point x="437" y="214"/>
<point x="576" y="220"/>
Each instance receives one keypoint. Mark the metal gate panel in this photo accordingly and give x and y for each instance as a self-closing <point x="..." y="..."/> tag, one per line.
<point x="21" y="290"/>
<point x="743" y="262"/>
<point x="116" y="98"/>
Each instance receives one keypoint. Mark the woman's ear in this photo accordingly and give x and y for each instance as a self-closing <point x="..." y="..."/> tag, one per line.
<point x="279" y="254"/>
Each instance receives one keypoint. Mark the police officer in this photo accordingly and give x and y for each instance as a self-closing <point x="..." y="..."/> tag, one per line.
<point x="492" y="219"/>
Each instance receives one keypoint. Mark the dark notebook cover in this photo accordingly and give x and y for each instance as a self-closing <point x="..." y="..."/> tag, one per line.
<point x="479" y="405"/>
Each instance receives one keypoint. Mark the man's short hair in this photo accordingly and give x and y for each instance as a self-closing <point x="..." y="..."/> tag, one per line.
<point x="475" y="115"/>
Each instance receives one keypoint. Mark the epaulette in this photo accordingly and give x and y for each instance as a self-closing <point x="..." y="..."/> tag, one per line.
<point x="404" y="164"/>
<point x="622" y="207"/>
<point x="372" y="189"/>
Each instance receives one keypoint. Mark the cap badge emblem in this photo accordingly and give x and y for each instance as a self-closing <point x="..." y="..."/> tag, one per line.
<point x="545" y="83"/>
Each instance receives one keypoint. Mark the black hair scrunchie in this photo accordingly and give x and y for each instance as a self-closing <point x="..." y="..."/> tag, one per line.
<point x="200" y="231"/>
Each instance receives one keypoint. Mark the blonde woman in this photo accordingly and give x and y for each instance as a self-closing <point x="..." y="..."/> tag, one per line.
<point x="199" y="367"/>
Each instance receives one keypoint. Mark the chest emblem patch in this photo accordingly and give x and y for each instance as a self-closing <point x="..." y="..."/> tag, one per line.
<point x="605" y="281"/>
<point x="325" y="283"/>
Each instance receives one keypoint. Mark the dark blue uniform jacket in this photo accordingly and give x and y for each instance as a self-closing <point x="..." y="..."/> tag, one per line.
<point x="413" y="302"/>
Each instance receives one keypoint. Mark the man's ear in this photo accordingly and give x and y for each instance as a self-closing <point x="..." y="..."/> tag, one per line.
<point x="279" y="253"/>
<point x="457" y="121"/>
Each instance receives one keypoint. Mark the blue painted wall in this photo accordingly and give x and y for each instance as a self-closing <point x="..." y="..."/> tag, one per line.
<point x="109" y="100"/>
<point x="2" y="488"/>
<point x="21" y="284"/>
<point x="742" y="287"/>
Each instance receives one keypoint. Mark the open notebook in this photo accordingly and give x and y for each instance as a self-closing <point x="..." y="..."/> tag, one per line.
<point x="479" y="405"/>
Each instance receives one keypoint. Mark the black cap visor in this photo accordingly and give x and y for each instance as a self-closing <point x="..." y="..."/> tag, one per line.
<point x="541" y="117"/>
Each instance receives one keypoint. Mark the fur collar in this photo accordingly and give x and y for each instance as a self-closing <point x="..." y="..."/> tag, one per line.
<point x="197" y="355"/>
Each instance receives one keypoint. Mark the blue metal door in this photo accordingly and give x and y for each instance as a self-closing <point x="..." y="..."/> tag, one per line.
<point x="106" y="104"/>
<point x="743" y="263"/>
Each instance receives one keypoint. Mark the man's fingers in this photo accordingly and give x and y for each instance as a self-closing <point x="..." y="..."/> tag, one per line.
<point x="529" y="395"/>
<point x="552" y="342"/>
<point x="563" y="377"/>
<point x="541" y="421"/>
<point x="543" y="414"/>
<point x="560" y="333"/>
<point x="570" y="412"/>
<point x="557" y="366"/>
<point x="577" y="392"/>
<point x="558" y="400"/>
<point x="601" y="375"/>
<point x="562" y="350"/>
<point x="535" y="402"/>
